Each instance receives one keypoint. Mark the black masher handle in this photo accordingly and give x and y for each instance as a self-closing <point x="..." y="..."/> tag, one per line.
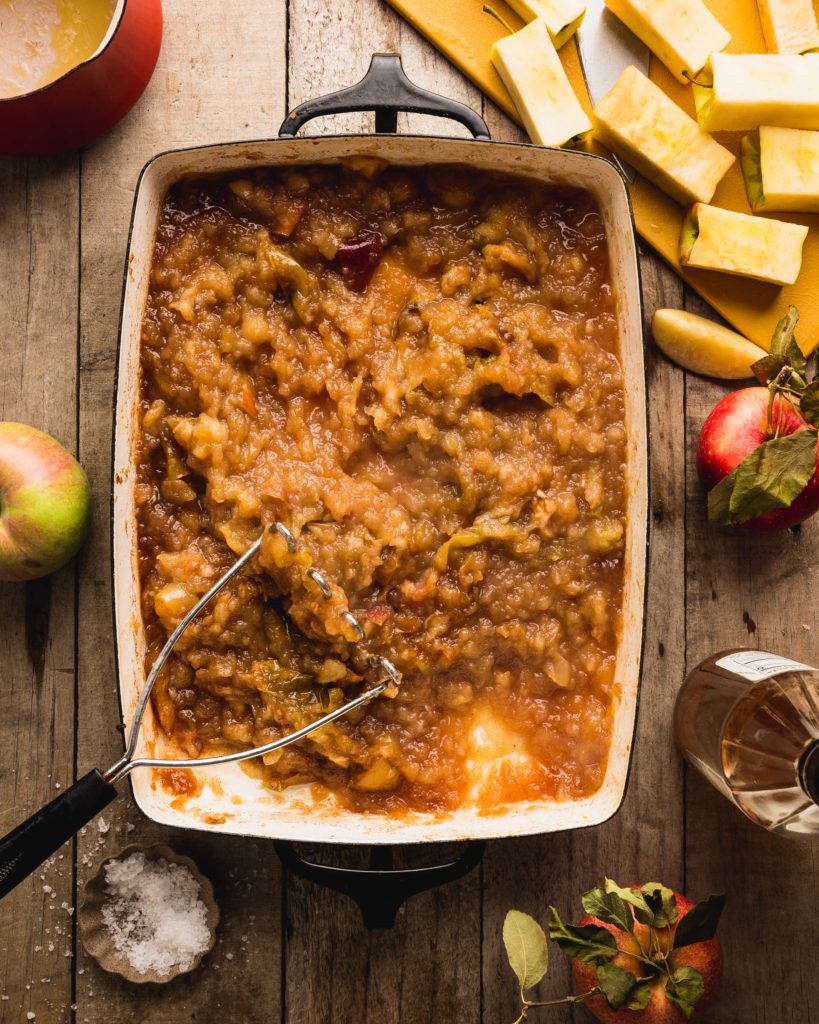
<point x="24" y="850"/>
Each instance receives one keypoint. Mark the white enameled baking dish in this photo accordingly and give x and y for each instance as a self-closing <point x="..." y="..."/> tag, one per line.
<point x="229" y="799"/>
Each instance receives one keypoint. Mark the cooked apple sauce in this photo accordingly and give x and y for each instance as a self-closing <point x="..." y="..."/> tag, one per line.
<point x="416" y="371"/>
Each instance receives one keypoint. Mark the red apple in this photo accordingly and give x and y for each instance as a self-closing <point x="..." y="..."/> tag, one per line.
<point x="704" y="957"/>
<point x="45" y="503"/>
<point x="737" y="425"/>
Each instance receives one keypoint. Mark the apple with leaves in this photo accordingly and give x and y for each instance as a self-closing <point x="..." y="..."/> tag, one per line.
<point x="673" y="954"/>
<point x="642" y="955"/>
<point x="757" y="451"/>
<point x="45" y="503"/>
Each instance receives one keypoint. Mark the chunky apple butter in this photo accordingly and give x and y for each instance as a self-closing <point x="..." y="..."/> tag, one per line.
<point x="416" y="370"/>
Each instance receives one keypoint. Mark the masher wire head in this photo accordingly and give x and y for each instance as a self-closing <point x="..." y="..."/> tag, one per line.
<point x="390" y="677"/>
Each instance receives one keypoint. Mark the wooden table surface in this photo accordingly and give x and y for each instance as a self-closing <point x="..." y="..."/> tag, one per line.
<point x="287" y="950"/>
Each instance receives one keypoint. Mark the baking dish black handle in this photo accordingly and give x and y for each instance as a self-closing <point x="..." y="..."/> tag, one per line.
<point x="385" y="89"/>
<point x="380" y="890"/>
<point x="24" y="850"/>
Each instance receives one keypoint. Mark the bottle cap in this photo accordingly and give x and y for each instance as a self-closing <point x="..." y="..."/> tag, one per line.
<point x="809" y="771"/>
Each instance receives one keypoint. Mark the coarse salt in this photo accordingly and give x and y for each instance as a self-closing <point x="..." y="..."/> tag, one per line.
<point x="155" y="914"/>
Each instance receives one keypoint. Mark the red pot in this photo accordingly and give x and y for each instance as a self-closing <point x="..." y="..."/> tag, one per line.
<point x="88" y="100"/>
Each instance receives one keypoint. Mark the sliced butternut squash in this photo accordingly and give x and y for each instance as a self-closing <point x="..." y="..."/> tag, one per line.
<point x="561" y="17"/>
<point x="643" y="126"/>
<point x="738" y="91"/>
<point x="531" y="70"/>
<point x="681" y="33"/>
<point x="781" y="169"/>
<point x="789" y="26"/>
<point x="737" y="243"/>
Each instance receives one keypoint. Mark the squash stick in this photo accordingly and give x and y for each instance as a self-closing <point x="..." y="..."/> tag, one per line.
<point x="642" y="125"/>
<point x="531" y="70"/>
<point x="681" y="34"/>
<point x="789" y="26"/>
<point x="561" y="17"/>
<point x="745" y="90"/>
<point x="781" y="169"/>
<point x="737" y="243"/>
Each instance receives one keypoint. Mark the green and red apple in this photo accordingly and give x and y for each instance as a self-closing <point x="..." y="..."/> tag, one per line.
<point x="45" y="503"/>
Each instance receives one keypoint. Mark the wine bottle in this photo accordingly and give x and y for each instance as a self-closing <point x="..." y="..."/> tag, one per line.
<point x="749" y="721"/>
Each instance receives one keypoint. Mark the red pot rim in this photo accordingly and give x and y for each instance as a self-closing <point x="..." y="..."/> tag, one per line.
<point x="111" y="32"/>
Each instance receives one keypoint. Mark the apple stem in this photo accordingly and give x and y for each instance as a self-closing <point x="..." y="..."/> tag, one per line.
<point x="566" y="999"/>
<point x="491" y="10"/>
<point x="780" y="386"/>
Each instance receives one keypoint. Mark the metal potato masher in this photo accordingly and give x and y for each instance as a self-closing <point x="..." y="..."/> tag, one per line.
<point x="25" y="849"/>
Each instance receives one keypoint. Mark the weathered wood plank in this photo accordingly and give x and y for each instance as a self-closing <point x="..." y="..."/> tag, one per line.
<point x="220" y="76"/>
<point x="427" y="968"/>
<point x="644" y="840"/>
<point x="747" y="590"/>
<point x="38" y="355"/>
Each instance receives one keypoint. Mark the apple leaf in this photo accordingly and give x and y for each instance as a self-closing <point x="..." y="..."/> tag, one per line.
<point x="809" y="403"/>
<point x="609" y="907"/>
<point x="526" y="948"/>
<point x="616" y="984"/>
<point x="783" y="342"/>
<point x="640" y="995"/>
<point x="700" y="923"/>
<point x="588" y="943"/>
<point x="685" y="988"/>
<point x="661" y="902"/>
<point x="766" y="368"/>
<point x="642" y="911"/>
<point x="771" y="476"/>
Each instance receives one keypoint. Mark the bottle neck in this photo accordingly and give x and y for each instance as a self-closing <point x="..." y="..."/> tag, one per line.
<point x="809" y="771"/>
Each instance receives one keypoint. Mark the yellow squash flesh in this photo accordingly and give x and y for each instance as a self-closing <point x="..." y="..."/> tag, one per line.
<point x="740" y="244"/>
<point x="643" y="126"/>
<point x="781" y="169"/>
<point x="531" y="70"/>
<point x="702" y="346"/>
<point x="738" y="91"/>
<point x="681" y="33"/>
<point x="561" y="17"/>
<point x="789" y="26"/>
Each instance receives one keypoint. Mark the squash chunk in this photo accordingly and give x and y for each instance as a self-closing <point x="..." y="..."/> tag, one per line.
<point x="737" y="243"/>
<point x="561" y="17"/>
<point x="744" y="90"/>
<point x="789" y="26"/>
<point x="681" y="34"/>
<point x="643" y="126"/>
<point x="781" y="169"/>
<point x="531" y="70"/>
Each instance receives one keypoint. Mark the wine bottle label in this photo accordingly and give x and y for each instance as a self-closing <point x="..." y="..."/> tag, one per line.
<point x="758" y="665"/>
